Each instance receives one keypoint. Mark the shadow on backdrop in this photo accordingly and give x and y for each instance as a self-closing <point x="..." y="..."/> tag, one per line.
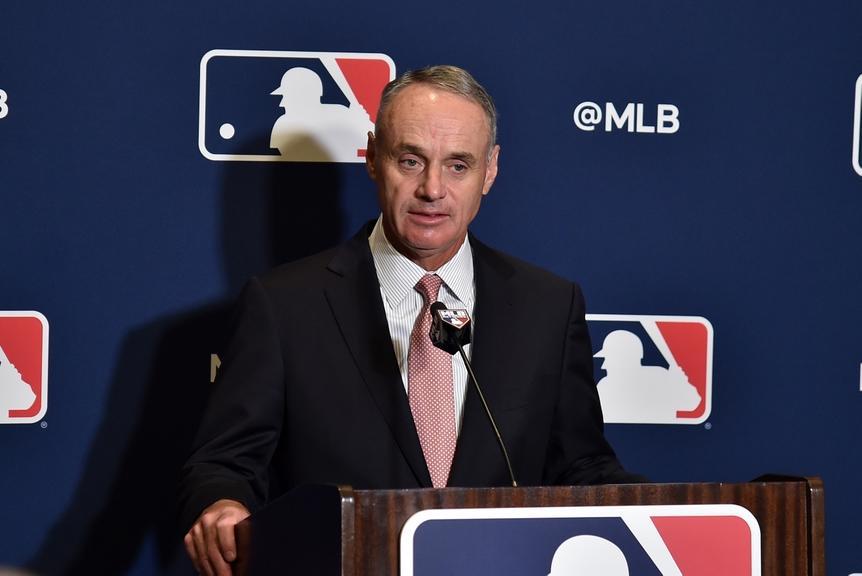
<point x="125" y="502"/>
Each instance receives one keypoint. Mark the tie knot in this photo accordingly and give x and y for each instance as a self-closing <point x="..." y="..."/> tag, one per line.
<point x="429" y="287"/>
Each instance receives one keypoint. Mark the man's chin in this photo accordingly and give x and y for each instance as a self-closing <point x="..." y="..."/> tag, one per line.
<point x="429" y="243"/>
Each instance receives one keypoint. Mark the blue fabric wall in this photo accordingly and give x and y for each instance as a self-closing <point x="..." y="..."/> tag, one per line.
<point x="132" y="243"/>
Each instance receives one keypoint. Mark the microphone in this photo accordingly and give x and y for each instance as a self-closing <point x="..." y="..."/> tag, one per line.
<point x="450" y="331"/>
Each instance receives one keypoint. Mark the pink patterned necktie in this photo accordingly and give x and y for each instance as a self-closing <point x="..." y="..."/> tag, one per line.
<point x="429" y="385"/>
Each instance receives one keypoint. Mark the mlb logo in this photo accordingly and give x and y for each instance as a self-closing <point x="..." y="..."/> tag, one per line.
<point x="23" y="367"/>
<point x="695" y="540"/>
<point x="276" y="106"/>
<point x="456" y="318"/>
<point x="653" y="369"/>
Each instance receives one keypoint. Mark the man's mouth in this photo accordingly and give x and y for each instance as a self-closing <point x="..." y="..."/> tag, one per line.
<point x="428" y="218"/>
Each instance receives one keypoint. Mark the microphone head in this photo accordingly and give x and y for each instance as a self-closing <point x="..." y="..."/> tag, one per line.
<point x="436" y="307"/>
<point x="449" y="328"/>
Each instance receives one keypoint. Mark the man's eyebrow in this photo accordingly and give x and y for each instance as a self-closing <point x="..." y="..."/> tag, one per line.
<point x="409" y="148"/>
<point x="466" y="157"/>
<point x="463" y="156"/>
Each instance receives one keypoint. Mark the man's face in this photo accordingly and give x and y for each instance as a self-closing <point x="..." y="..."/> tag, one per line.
<point x="432" y="166"/>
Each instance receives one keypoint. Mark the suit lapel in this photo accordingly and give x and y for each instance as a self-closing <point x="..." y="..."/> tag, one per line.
<point x="354" y="297"/>
<point x="478" y="460"/>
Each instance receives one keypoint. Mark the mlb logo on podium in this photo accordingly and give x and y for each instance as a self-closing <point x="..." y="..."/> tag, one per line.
<point x="278" y="106"/>
<point x="674" y="540"/>
<point x="652" y="369"/>
<point x="23" y="367"/>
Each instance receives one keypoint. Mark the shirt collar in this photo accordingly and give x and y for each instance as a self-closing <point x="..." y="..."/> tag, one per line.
<point x="398" y="274"/>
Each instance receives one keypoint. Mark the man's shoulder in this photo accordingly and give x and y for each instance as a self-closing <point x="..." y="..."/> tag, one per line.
<point x="517" y="269"/>
<point x="307" y="269"/>
<point x="318" y="269"/>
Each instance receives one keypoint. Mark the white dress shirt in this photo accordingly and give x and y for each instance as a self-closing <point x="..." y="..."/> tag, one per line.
<point x="398" y="276"/>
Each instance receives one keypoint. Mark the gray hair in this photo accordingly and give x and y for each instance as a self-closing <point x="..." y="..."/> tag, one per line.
<point x="445" y="77"/>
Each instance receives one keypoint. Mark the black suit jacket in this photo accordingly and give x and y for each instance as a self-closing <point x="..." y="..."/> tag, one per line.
<point x="309" y="389"/>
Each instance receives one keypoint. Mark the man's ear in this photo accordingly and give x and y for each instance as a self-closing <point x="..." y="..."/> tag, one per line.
<point x="491" y="169"/>
<point x="370" y="155"/>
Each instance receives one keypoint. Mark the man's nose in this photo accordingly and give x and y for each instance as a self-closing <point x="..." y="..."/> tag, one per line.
<point x="432" y="187"/>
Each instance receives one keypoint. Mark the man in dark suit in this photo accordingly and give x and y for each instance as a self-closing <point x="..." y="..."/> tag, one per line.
<point x="328" y="379"/>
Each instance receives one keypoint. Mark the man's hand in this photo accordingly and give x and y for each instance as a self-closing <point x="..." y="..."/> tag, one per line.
<point x="211" y="543"/>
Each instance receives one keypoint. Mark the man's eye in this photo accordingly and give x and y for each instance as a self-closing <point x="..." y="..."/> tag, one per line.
<point x="459" y="167"/>
<point x="410" y="163"/>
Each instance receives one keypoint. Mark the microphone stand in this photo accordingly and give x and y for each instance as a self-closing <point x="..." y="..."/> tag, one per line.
<point x="487" y="412"/>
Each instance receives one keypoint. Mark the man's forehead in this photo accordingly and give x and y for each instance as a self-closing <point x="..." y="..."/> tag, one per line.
<point x="420" y="112"/>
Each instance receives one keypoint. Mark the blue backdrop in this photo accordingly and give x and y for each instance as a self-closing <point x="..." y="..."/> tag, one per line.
<point x="132" y="243"/>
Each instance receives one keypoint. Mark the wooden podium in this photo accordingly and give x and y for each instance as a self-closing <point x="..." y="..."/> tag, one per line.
<point x="329" y="530"/>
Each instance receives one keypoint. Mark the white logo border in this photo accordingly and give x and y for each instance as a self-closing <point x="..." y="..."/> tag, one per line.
<point x="709" y="344"/>
<point x="263" y="54"/>
<point x="857" y="125"/>
<point x="629" y="514"/>
<point x="45" y="327"/>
